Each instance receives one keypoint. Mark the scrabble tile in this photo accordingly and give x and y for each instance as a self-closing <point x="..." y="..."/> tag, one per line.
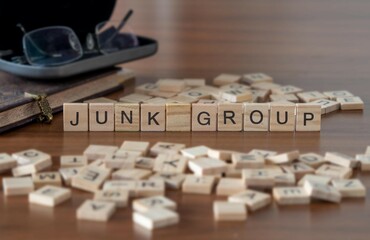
<point x="229" y="186"/>
<point x="125" y="185"/>
<point x="75" y="117"/>
<point x="311" y="96"/>
<point x="195" y="152"/>
<point x="350" y="188"/>
<point x="350" y="103"/>
<point x="195" y="82"/>
<point x="234" y="86"/>
<point x="145" y="204"/>
<point x="265" y="86"/>
<point x="247" y="160"/>
<point x="171" y="85"/>
<point x="364" y="161"/>
<point x="229" y="211"/>
<point x="118" y="197"/>
<point x="155" y="218"/>
<point x="193" y="95"/>
<point x="204" y="117"/>
<point x="49" y="196"/>
<point x="284" y="97"/>
<point x="170" y="163"/>
<point x="101" y="117"/>
<point x="284" y="179"/>
<point x="299" y="169"/>
<point x="288" y="89"/>
<point x="68" y="161"/>
<point x="290" y="195"/>
<point x="94" y="210"/>
<point x="121" y="159"/>
<point x="312" y="159"/>
<point x="171" y="180"/>
<point x="224" y="155"/>
<point x="151" y="187"/>
<point x="6" y="162"/>
<point x="94" y="152"/>
<point x="17" y="186"/>
<point x="144" y="163"/>
<point x="256" y="116"/>
<point x="98" y="163"/>
<point x="198" y="184"/>
<point x="282" y="117"/>
<point x="90" y="178"/>
<point x="259" y="178"/>
<point x="237" y="95"/>
<point x="68" y="173"/>
<point x="182" y="99"/>
<point x="333" y="95"/>
<point x="314" y="178"/>
<point x="162" y="94"/>
<point x="127" y="117"/>
<point x="327" y="106"/>
<point x="308" y="117"/>
<point x="46" y="178"/>
<point x="178" y="117"/>
<point x="131" y="174"/>
<point x="146" y="88"/>
<point x="263" y="153"/>
<point x="100" y="100"/>
<point x="224" y="79"/>
<point x="254" y="200"/>
<point x="257" y="78"/>
<point x="232" y="172"/>
<point x="136" y="146"/>
<point x="206" y="166"/>
<point x="162" y="147"/>
<point x="283" y="158"/>
<point x="340" y="159"/>
<point x="322" y="191"/>
<point x="260" y="95"/>
<point x="30" y="161"/>
<point x="334" y="171"/>
<point x="135" y="98"/>
<point x="230" y="117"/>
<point x="153" y="117"/>
<point x="30" y="156"/>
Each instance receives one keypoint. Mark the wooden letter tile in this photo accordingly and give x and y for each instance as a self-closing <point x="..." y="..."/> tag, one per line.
<point x="254" y="200"/>
<point x="284" y="179"/>
<point x="17" y="186"/>
<point x="172" y="180"/>
<point x="136" y="146"/>
<point x="299" y="169"/>
<point x="322" y="191"/>
<point x="147" y="188"/>
<point x="333" y="95"/>
<point x="224" y="79"/>
<point x="171" y="85"/>
<point x="153" y="117"/>
<point x="308" y="117"/>
<point x="198" y="185"/>
<point x="207" y="166"/>
<point x="30" y="161"/>
<point x="127" y="117"/>
<point x="263" y="153"/>
<point x="204" y="117"/>
<point x="146" y="88"/>
<point x="170" y="163"/>
<point x="350" y="188"/>
<point x="145" y="204"/>
<point x="178" y="117"/>
<point x="121" y="159"/>
<point x="334" y="171"/>
<point x="90" y="178"/>
<point x="237" y="95"/>
<point x="229" y="186"/>
<point x="340" y="159"/>
<point x="311" y="96"/>
<point x="94" y="210"/>
<point x="290" y="195"/>
<point x="73" y="161"/>
<point x="195" y="152"/>
<point x="101" y="116"/>
<point x="144" y="163"/>
<point x="75" y="117"/>
<point x="312" y="159"/>
<point x="50" y="196"/>
<point x="327" y="106"/>
<point x="116" y="196"/>
<point x="282" y="117"/>
<point x="314" y="178"/>
<point x="257" y="78"/>
<point x="7" y="162"/>
<point x="68" y="173"/>
<point x="94" y="152"/>
<point x="163" y="147"/>
<point x="350" y="103"/>
<point x="47" y="178"/>
<point x="156" y="218"/>
<point x="364" y="161"/>
<point x="230" y="117"/>
<point x="259" y="178"/>
<point x="224" y="155"/>
<point x="131" y="174"/>
<point x="283" y="158"/>
<point x="256" y="116"/>
<point x="288" y="89"/>
<point x="125" y="185"/>
<point x="247" y="160"/>
<point x="229" y="211"/>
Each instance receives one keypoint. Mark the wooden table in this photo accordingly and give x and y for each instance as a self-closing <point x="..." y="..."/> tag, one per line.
<point x="317" y="45"/>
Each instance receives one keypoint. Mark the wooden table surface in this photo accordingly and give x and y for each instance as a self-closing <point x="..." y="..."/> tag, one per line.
<point x="316" y="45"/>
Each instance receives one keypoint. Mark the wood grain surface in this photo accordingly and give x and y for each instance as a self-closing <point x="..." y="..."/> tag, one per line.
<point x="316" y="45"/>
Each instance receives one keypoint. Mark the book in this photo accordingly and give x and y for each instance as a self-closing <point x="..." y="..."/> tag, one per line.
<point x="17" y="107"/>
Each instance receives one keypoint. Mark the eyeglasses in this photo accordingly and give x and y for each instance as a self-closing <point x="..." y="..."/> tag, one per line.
<point x="59" y="45"/>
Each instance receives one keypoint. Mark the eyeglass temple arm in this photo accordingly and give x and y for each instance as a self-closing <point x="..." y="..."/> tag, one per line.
<point x="20" y="26"/>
